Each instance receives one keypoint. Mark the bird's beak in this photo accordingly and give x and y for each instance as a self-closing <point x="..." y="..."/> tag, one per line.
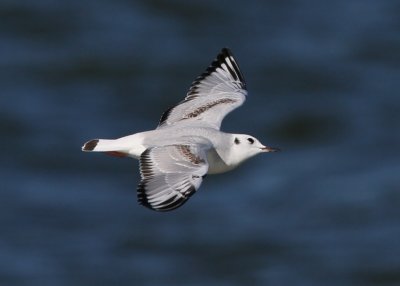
<point x="270" y="149"/>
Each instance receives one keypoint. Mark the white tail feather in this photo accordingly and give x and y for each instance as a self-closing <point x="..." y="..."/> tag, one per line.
<point x="103" y="145"/>
<point x="128" y="146"/>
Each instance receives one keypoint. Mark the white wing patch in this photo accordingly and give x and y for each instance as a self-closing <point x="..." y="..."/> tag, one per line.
<point x="170" y="175"/>
<point x="215" y="93"/>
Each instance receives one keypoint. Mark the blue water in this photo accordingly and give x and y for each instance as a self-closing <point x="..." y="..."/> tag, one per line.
<point x="324" y="82"/>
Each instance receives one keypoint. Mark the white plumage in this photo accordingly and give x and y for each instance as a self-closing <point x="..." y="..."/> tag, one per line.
<point x="188" y="144"/>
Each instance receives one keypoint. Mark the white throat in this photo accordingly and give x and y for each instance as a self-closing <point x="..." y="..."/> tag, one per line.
<point x="225" y="159"/>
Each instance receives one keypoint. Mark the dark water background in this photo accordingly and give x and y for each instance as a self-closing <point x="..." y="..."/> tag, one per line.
<point x="324" y="81"/>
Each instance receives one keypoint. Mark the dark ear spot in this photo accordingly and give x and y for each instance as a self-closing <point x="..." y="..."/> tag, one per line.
<point x="251" y="140"/>
<point x="237" y="141"/>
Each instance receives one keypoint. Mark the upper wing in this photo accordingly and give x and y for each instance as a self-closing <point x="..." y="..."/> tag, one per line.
<point x="215" y="93"/>
<point x="170" y="175"/>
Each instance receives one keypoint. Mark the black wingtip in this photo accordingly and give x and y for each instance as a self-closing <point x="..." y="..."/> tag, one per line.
<point x="90" y="145"/>
<point x="168" y="205"/>
<point x="226" y="51"/>
<point x="221" y="58"/>
<point x="229" y="54"/>
<point x="141" y="196"/>
<point x="144" y="201"/>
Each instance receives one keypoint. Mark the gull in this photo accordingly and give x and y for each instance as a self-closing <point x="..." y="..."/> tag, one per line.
<point x="187" y="144"/>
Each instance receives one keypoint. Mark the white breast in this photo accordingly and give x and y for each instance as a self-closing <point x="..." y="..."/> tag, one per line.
<point x="216" y="164"/>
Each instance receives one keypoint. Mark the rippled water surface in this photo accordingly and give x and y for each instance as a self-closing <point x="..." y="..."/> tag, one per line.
<point x="324" y="81"/>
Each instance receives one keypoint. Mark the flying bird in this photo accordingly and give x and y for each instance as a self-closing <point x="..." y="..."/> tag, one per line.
<point x="187" y="144"/>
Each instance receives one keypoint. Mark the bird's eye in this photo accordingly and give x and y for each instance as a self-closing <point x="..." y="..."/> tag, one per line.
<point x="237" y="141"/>
<point x="251" y="140"/>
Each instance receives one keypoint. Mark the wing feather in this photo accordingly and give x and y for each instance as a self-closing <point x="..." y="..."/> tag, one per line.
<point x="170" y="175"/>
<point x="215" y="93"/>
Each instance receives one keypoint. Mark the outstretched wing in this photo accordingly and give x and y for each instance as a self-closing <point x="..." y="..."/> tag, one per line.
<point x="170" y="175"/>
<point x="215" y="93"/>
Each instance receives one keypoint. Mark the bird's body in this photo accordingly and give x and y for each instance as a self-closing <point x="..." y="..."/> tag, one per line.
<point x="217" y="145"/>
<point x="187" y="144"/>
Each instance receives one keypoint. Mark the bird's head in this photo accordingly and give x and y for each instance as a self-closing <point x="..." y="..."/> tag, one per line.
<point x="246" y="146"/>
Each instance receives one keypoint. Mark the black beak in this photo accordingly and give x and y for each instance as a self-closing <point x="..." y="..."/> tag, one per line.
<point x="270" y="149"/>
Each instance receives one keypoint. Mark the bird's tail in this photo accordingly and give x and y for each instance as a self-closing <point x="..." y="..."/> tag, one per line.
<point x="130" y="145"/>
<point x="111" y="147"/>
